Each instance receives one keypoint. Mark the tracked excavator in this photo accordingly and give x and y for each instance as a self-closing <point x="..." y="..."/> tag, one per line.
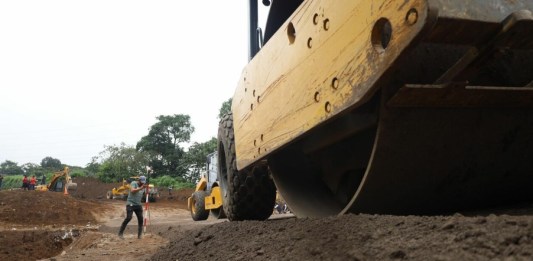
<point x="60" y="182"/>
<point x="381" y="106"/>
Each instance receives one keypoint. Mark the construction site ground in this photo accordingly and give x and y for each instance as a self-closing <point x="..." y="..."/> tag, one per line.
<point x="83" y="226"/>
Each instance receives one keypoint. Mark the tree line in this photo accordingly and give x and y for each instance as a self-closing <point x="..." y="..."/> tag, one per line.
<point x="162" y="150"/>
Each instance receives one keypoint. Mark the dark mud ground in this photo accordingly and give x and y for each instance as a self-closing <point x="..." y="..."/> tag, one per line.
<point x="37" y="226"/>
<point x="486" y="235"/>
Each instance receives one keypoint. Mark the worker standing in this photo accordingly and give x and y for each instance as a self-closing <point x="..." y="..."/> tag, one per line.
<point x="43" y="180"/>
<point x="133" y="204"/>
<point x="33" y="182"/>
<point x="25" y="183"/>
<point x="1" y="179"/>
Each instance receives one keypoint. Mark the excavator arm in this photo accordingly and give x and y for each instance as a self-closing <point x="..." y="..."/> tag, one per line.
<point x="60" y="180"/>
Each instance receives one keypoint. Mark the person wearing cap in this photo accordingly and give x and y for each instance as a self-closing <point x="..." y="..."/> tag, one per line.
<point x="133" y="204"/>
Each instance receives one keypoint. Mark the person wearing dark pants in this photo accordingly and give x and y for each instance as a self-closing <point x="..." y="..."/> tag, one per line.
<point x="133" y="204"/>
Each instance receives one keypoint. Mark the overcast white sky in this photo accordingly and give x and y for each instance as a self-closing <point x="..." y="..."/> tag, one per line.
<point x="78" y="75"/>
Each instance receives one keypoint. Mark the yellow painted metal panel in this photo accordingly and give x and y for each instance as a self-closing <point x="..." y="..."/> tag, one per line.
<point x="214" y="200"/>
<point x="202" y="184"/>
<point x="324" y="59"/>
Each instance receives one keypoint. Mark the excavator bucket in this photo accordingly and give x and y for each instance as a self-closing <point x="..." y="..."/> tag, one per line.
<point x="395" y="107"/>
<point x="71" y="187"/>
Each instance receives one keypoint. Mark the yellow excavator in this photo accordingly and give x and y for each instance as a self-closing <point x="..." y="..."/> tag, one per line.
<point x="381" y="106"/>
<point x="60" y="182"/>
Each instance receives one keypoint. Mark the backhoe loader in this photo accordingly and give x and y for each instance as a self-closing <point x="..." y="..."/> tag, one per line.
<point x="381" y="106"/>
<point x="60" y="182"/>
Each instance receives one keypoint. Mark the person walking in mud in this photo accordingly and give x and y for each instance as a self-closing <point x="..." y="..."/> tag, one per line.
<point x="133" y="204"/>
<point x="1" y="179"/>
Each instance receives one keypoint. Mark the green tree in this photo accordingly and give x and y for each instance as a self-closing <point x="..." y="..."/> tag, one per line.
<point x="120" y="162"/>
<point x="225" y="108"/>
<point x="32" y="169"/>
<point x="93" y="167"/>
<point x="79" y="172"/>
<point x="176" y="182"/>
<point x="196" y="157"/>
<point x="163" y="143"/>
<point x="51" y="164"/>
<point x="10" y="168"/>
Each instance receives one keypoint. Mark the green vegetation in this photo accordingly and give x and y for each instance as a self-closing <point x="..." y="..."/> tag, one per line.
<point x="12" y="181"/>
<point x="119" y="162"/>
<point x="15" y="181"/>
<point x="175" y="182"/>
<point x="10" y="168"/>
<point x="78" y="172"/>
<point x="196" y="157"/>
<point x="225" y="109"/>
<point x="161" y="150"/>
<point x="163" y="143"/>
<point x="51" y="164"/>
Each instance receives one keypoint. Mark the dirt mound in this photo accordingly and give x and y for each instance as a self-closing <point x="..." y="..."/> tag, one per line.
<point x="44" y="208"/>
<point x="176" y="197"/>
<point x="491" y="234"/>
<point x="33" y="245"/>
<point x="40" y="224"/>
<point x="91" y="188"/>
<point x="359" y="237"/>
<point x="36" y="225"/>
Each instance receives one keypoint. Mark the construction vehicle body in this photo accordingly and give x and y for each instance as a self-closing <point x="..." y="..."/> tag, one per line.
<point x="122" y="191"/>
<point x="61" y="181"/>
<point x="207" y="197"/>
<point x="382" y="106"/>
<point x="153" y="193"/>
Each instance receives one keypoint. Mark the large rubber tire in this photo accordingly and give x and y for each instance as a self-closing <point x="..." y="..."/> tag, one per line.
<point x="198" y="211"/>
<point x="248" y="194"/>
<point x="109" y="195"/>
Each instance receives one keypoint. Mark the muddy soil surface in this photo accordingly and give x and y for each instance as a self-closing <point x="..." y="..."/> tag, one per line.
<point x="83" y="226"/>
<point x="360" y="237"/>
<point x="37" y="225"/>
